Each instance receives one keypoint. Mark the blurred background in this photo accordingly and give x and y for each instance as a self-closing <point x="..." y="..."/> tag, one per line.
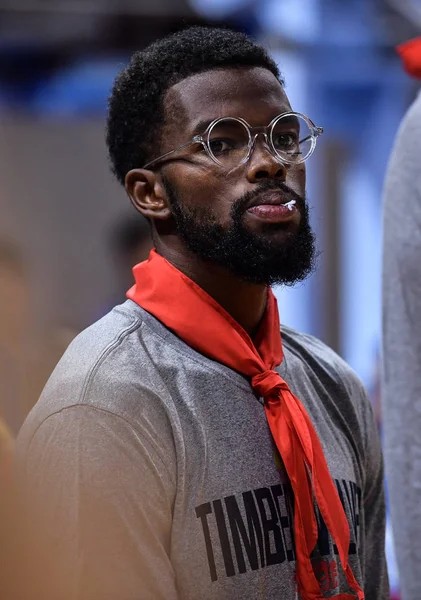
<point x="68" y="236"/>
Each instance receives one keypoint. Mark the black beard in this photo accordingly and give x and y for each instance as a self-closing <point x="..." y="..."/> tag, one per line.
<point x="253" y="257"/>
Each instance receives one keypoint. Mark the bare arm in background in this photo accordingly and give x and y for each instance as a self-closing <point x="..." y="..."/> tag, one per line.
<point x="100" y="499"/>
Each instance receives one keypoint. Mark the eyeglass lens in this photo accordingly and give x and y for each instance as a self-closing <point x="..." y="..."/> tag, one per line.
<point x="291" y="136"/>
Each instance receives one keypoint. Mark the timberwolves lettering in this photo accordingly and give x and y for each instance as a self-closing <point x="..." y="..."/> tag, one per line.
<point x="254" y="529"/>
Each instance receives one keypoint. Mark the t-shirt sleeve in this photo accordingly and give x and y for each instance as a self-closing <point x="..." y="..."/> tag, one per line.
<point x="101" y="497"/>
<point x="376" y="586"/>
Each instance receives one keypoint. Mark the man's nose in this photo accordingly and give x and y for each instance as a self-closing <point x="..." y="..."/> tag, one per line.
<point x="262" y="164"/>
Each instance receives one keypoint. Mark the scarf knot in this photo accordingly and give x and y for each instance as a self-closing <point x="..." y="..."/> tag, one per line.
<point x="267" y="383"/>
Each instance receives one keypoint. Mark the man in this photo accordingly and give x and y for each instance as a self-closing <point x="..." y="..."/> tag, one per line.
<point x="401" y="397"/>
<point x="180" y="450"/>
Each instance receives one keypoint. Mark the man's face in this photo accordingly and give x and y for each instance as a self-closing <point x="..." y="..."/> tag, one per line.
<point x="211" y="207"/>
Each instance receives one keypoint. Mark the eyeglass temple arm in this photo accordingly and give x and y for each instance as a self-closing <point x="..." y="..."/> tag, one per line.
<point x="196" y="140"/>
<point x="317" y="131"/>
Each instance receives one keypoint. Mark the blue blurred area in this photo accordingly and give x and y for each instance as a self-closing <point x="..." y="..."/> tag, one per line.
<point x="34" y="82"/>
<point x="80" y="89"/>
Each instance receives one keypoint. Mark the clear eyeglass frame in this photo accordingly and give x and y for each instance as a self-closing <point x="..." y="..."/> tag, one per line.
<point x="253" y="133"/>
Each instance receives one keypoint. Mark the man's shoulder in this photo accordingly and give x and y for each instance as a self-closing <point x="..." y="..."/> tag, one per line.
<point x="106" y="367"/>
<point x="314" y="370"/>
<point x="318" y="356"/>
<point x="114" y="335"/>
<point x="307" y="344"/>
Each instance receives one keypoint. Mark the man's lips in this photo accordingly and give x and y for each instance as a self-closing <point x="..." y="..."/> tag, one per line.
<point x="274" y="207"/>
<point x="272" y="198"/>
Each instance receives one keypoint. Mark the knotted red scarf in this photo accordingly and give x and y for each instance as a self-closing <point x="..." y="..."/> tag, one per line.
<point x="185" y="308"/>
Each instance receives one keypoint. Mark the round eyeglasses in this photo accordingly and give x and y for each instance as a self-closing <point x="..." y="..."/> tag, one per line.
<point x="229" y="141"/>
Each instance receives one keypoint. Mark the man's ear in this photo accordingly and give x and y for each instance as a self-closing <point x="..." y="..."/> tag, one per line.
<point x="147" y="194"/>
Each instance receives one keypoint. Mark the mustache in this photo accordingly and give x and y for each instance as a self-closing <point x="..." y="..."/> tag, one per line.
<point x="243" y="203"/>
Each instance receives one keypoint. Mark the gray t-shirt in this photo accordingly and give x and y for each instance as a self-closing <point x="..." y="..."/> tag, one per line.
<point x="401" y="390"/>
<point x="152" y="473"/>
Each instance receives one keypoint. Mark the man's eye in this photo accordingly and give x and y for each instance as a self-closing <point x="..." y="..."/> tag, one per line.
<point x="285" y="141"/>
<point x="219" y="146"/>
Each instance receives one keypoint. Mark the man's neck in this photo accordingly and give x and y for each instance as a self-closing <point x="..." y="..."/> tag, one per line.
<point x="243" y="300"/>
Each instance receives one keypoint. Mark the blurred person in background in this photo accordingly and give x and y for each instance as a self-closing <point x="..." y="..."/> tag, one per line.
<point x="14" y="320"/>
<point x="401" y="386"/>
<point x="15" y="326"/>
<point x="181" y="449"/>
<point x="27" y="354"/>
<point x="131" y="243"/>
<point x="8" y="531"/>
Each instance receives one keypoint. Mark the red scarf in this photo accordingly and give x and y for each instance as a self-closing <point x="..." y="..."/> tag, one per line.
<point x="182" y="306"/>
<point x="410" y="52"/>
